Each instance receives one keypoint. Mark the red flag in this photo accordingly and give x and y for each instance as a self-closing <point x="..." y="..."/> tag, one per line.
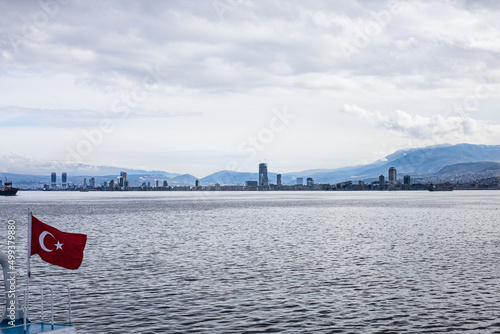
<point x="56" y="247"/>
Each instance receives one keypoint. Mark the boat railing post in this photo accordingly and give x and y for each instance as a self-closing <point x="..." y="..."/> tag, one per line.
<point x="24" y="310"/>
<point x="51" y="306"/>
<point x="69" y="303"/>
<point x="41" y="293"/>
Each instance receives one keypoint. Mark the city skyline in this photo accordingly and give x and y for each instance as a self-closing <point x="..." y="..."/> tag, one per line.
<point x="381" y="184"/>
<point x="208" y="86"/>
<point x="427" y="160"/>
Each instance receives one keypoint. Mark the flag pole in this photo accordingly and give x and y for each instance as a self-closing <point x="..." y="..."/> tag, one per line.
<point x="28" y="269"/>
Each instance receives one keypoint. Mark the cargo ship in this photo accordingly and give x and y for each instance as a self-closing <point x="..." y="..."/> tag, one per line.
<point x="7" y="189"/>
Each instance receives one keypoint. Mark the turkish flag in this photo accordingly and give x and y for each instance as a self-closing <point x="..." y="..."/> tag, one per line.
<point x="56" y="247"/>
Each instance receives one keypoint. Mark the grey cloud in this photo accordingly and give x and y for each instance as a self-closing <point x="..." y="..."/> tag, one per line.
<point x="108" y="40"/>
<point x="290" y="45"/>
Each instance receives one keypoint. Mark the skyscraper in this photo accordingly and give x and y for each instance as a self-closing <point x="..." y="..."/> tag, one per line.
<point x="64" y="180"/>
<point x="278" y="179"/>
<point x="53" y="180"/>
<point x="392" y="175"/>
<point x="121" y="181"/>
<point x="406" y="179"/>
<point x="263" y="179"/>
<point x="381" y="182"/>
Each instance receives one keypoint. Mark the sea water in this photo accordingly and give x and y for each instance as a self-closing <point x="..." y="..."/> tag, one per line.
<point x="251" y="262"/>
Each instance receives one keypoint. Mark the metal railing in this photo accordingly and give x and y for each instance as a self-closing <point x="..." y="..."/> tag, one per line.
<point x="42" y="286"/>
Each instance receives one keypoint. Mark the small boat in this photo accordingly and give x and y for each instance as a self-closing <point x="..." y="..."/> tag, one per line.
<point x="7" y="189"/>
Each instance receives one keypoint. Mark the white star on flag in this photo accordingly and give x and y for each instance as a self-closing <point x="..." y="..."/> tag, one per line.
<point x="58" y="245"/>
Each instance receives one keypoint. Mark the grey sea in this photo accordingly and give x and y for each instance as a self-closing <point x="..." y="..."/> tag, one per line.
<point x="289" y="262"/>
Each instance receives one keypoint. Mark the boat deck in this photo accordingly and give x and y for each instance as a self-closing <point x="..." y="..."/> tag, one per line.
<point x="38" y="328"/>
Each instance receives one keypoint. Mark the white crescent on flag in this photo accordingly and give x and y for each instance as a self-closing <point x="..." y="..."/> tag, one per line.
<point x="40" y="239"/>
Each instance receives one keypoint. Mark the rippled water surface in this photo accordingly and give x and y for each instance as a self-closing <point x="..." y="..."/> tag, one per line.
<point x="304" y="262"/>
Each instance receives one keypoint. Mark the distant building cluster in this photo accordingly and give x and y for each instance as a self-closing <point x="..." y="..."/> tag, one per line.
<point x="123" y="183"/>
<point x="53" y="182"/>
<point x="265" y="184"/>
<point x="391" y="183"/>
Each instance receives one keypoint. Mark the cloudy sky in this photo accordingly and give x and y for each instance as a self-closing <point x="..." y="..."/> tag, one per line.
<point x="202" y="86"/>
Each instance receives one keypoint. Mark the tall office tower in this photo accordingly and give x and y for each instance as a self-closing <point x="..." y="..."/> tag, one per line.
<point x="85" y="182"/>
<point x="126" y="184"/>
<point x="112" y="183"/>
<point x="300" y="181"/>
<point x="263" y="179"/>
<point x="92" y="182"/>
<point x="381" y="182"/>
<point x="310" y="182"/>
<point x="124" y="175"/>
<point x="64" y="180"/>
<point x="278" y="179"/>
<point x="406" y="179"/>
<point x="165" y="183"/>
<point x="198" y="183"/>
<point x="53" y="180"/>
<point x="392" y="175"/>
<point x="157" y="183"/>
<point x="121" y="181"/>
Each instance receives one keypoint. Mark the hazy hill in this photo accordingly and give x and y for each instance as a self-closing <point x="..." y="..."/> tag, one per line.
<point x="183" y="180"/>
<point x="464" y="173"/>
<point x="471" y="167"/>
<point x="227" y="177"/>
<point x="26" y="180"/>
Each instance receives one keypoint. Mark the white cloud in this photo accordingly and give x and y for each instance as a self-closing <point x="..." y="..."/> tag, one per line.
<point x="436" y="129"/>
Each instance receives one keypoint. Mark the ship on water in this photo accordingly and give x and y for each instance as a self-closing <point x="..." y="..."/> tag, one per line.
<point x="7" y="189"/>
<point x="441" y="187"/>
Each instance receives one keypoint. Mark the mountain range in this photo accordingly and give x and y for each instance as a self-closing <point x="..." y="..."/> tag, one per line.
<point x="415" y="162"/>
<point x="422" y="163"/>
<point x="442" y="162"/>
